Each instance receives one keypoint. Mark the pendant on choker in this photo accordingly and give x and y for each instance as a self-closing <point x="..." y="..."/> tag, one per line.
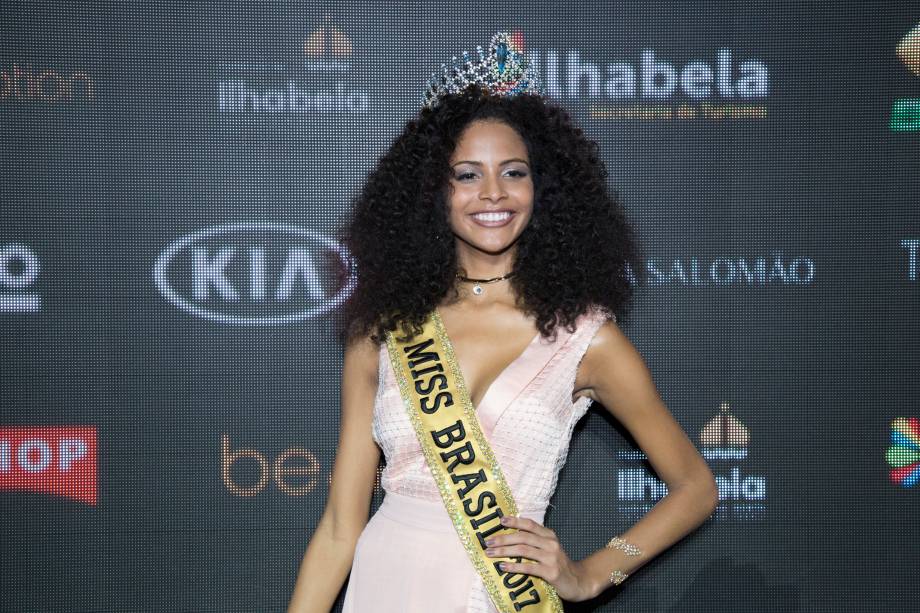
<point x="478" y="283"/>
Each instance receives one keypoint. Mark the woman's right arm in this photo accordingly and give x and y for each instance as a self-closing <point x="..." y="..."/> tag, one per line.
<point x="330" y="552"/>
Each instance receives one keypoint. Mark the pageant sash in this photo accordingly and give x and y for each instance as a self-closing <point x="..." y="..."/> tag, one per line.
<point x="467" y="474"/>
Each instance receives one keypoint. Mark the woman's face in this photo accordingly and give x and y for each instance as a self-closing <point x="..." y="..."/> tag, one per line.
<point x="490" y="193"/>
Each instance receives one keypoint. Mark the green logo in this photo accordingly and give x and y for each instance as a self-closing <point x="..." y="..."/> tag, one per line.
<point x="905" y="115"/>
<point x="905" y="112"/>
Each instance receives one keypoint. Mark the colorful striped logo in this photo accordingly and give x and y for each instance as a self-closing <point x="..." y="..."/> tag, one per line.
<point x="904" y="454"/>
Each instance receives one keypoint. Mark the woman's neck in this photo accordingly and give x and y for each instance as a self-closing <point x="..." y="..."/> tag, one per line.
<point x="480" y="265"/>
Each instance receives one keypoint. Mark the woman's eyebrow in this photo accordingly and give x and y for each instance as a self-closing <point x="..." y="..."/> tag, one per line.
<point x="500" y="163"/>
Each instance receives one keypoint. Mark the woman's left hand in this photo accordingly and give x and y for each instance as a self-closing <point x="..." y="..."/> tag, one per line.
<point x="539" y="543"/>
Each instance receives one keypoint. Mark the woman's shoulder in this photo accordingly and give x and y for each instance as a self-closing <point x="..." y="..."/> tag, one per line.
<point x="362" y="355"/>
<point x="576" y="335"/>
<point x="604" y="340"/>
<point x="593" y="327"/>
<point x="594" y="316"/>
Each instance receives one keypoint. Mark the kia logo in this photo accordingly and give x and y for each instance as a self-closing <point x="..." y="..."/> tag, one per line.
<point x="253" y="274"/>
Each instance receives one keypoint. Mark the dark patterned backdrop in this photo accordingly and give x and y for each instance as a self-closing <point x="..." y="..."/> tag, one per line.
<point x="172" y="175"/>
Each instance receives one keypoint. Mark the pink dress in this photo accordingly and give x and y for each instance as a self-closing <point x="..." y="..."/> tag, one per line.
<point x="409" y="548"/>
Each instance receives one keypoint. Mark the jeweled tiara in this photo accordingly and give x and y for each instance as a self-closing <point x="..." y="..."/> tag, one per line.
<point x="503" y="71"/>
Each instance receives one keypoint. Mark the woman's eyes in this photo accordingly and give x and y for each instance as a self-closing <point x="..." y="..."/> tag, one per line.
<point x="472" y="175"/>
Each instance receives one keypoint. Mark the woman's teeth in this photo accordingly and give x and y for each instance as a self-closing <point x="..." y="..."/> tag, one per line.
<point x="493" y="216"/>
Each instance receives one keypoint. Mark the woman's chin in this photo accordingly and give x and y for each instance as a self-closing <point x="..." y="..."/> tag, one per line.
<point x="496" y="248"/>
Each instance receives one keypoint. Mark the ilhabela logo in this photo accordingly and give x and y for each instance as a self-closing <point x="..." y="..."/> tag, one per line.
<point x="648" y="84"/>
<point x="725" y="440"/>
<point x="904" y="453"/>
<point x="58" y="460"/>
<point x="253" y="273"/>
<point x="322" y="82"/>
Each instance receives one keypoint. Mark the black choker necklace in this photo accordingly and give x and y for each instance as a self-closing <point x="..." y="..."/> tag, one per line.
<point x="477" y="289"/>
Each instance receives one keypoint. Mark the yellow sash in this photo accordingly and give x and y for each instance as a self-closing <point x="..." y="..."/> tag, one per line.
<point x="462" y="463"/>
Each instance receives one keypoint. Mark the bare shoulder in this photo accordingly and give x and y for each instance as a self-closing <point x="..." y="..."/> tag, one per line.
<point x="362" y="359"/>
<point x="610" y="356"/>
<point x="609" y="337"/>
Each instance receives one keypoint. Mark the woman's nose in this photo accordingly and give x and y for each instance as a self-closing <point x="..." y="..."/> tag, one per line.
<point x="492" y="188"/>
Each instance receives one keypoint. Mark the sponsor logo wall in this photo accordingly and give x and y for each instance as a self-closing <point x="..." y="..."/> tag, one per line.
<point x="26" y="83"/>
<point x="319" y="80"/>
<point x="905" y="112"/>
<point x="723" y="441"/>
<point x="655" y="88"/>
<point x="56" y="460"/>
<point x="19" y="268"/>
<point x="904" y="453"/>
<point x="169" y="285"/>
<point x="253" y="273"/>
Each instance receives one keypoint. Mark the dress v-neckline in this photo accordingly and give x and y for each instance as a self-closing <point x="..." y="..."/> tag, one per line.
<point x="452" y="359"/>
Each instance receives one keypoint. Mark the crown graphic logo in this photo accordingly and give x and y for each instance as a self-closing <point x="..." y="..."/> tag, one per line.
<point x="904" y="453"/>
<point x="327" y="41"/>
<point x="909" y="50"/>
<point x="724" y="437"/>
<point x="502" y="71"/>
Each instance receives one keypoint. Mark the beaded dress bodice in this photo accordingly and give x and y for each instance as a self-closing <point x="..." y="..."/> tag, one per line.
<point x="527" y="414"/>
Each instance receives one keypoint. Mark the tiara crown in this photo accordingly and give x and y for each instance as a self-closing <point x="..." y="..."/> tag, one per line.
<point x="503" y="71"/>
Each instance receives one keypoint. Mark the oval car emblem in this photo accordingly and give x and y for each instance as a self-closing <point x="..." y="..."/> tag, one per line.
<point x="209" y="274"/>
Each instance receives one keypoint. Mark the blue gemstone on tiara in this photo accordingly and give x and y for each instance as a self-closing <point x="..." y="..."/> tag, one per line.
<point x="504" y="70"/>
<point x="501" y="54"/>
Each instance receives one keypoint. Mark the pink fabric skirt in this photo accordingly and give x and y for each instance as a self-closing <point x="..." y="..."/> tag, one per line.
<point x="409" y="559"/>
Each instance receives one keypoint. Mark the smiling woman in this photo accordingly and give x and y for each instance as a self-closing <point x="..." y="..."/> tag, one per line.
<point x="491" y="265"/>
<point x="491" y="194"/>
<point x="567" y="245"/>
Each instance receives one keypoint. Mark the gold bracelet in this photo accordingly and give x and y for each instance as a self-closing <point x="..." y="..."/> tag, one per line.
<point x="618" y="576"/>
<point x="618" y="543"/>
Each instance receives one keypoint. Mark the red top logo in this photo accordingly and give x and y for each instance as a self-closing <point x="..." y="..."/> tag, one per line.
<point x="58" y="460"/>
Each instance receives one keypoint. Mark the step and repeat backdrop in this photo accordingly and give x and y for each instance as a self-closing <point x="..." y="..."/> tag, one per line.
<point x="174" y="174"/>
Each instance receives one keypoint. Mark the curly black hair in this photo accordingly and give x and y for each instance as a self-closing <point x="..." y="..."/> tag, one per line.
<point x="578" y="249"/>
